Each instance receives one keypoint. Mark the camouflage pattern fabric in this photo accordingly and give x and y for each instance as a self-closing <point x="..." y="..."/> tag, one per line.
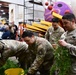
<point x="70" y="38"/>
<point x="9" y="48"/>
<point x="53" y="35"/>
<point x="42" y="55"/>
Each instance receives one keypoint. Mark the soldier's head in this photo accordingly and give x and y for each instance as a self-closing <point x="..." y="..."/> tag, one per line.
<point x="55" y="22"/>
<point x="28" y="37"/>
<point x="68" y="21"/>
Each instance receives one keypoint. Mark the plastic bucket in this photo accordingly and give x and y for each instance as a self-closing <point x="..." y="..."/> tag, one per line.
<point x="14" y="71"/>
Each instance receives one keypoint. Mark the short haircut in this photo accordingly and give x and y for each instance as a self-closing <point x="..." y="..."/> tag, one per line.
<point x="69" y="16"/>
<point x="27" y="33"/>
<point x="20" y="22"/>
<point x="55" y="20"/>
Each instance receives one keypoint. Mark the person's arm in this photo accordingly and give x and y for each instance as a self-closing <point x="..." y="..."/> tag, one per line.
<point x="70" y="47"/>
<point x="6" y="52"/>
<point x="47" y="33"/>
<point x="38" y="60"/>
<point x="63" y="36"/>
<point x="2" y="62"/>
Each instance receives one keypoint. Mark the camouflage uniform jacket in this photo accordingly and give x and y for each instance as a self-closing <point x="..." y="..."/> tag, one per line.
<point x="53" y="35"/>
<point x="42" y="53"/>
<point x="70" y="38"/>
<point x="9" y="48"/>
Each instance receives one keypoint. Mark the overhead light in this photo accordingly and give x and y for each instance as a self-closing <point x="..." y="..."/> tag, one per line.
<point x="3" y="13"/>
<point x="1" y="10"/>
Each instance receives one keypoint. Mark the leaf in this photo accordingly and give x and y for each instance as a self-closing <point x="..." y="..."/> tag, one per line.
<point x="62" y="61"/>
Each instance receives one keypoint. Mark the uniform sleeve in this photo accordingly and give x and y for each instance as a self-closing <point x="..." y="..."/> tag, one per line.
<point x="5" y="55"/>
<point x="25" y="46"/>
<point x="63" y="36"/>
<point x="2" y="62"/>
<point x="60" y="34"/>
<point x="39" y="59"/>
<point x="72" y="49"/>
<point x="47" y="35"/>
<point x="8" y="53"/>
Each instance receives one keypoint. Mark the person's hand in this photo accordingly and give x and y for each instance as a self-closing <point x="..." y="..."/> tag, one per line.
<point x="55" y="46"/>
<point x="62" y="42"/>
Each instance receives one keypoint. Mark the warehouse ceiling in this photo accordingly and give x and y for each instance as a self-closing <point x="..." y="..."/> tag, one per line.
<point x="4" y="7"/>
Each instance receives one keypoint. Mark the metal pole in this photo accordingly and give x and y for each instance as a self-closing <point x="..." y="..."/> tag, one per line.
<point x="24" y="12"/>
<point x="33" y="11"/>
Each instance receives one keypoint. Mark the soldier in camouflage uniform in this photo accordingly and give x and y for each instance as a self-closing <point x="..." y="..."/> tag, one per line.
<point x="9" y="48"/>
<point x="54" y="32"/>
<point x="68" y="39"/>
<point x="41" y="53"/>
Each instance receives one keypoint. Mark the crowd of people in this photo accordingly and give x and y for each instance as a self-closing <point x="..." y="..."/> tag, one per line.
<point x="36" y="53"/>
<point x="8" y="32"/>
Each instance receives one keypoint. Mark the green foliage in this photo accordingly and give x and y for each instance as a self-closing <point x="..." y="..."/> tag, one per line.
<point x="62" y="61"/>
<point x="2" y="71"/>
<point x="9" y="64"/>
<point x="25" y="71"/>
